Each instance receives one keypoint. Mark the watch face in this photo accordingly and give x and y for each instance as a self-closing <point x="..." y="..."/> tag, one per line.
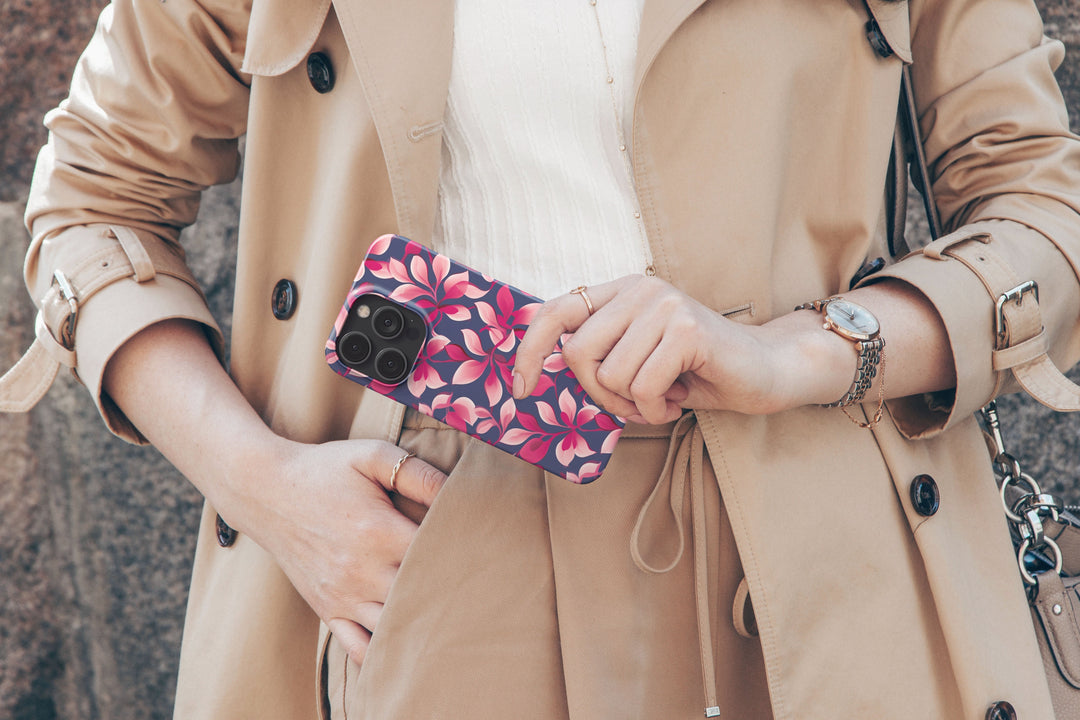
<point x="851" y="320"/>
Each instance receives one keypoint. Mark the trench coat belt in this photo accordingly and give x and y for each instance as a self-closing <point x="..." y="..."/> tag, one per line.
<point x="685" y="464"/>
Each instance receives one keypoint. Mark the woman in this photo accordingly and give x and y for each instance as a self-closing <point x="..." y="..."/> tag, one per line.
<point x="777" y="564"/>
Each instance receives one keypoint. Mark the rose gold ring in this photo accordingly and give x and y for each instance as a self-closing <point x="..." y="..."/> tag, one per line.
<point x="397" y="466"/>
<point x="580" y="290"/>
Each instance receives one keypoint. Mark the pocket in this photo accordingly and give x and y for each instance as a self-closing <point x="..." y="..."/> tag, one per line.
<point x="444" y="448"/>
<point x="281" y="33"/>
<point x="473" y="601"/>
<point x="429" y="444"/>
<point x="330" y="673"/>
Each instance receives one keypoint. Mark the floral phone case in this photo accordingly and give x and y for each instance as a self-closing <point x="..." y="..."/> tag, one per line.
<point x="464" y="328"/>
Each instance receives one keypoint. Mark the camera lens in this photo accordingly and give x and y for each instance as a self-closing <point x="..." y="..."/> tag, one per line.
<point x="388" y="322"/>
<point x="354" y="348"/>
<point x="391" y="365"/>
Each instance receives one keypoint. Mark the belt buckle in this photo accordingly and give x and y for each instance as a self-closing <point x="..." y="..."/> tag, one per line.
<point x="1016" y="295"/>
<point x="67" y="292"/>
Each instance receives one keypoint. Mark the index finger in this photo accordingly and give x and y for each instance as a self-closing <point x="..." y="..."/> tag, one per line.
<point x="558" y="316"/>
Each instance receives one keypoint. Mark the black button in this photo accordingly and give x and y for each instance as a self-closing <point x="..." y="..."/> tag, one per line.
<point x="924" y="495"/>
<point x="320" y="72"/>
<point x="283" y="300"/>
<point x="226" y="536"/>
<point x="876" y="38"/>
<point x="1001" y="711"/>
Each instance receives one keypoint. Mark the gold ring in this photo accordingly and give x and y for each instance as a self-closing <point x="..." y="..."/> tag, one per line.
<point x="580" y="290"/>
<point x="397" y="466"/>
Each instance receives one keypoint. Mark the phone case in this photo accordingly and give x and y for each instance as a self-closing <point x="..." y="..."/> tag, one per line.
<point x="462" y="374"/>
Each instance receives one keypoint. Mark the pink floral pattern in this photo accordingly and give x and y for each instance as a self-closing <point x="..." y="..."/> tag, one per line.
<point x="462" y="376"/>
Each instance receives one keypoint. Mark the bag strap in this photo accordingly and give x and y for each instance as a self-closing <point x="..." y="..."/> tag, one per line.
<point x="910" y="122"/>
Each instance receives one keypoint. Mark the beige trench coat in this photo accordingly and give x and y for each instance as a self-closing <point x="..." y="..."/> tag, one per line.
<point x="761" y="137"/>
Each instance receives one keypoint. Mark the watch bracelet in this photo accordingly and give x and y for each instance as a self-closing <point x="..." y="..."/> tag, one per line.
<point x="865" y="372"/>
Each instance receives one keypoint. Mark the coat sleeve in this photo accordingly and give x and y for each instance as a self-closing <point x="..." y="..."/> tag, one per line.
<point x="157" y="103"/>
<point x="1005" y="168"/>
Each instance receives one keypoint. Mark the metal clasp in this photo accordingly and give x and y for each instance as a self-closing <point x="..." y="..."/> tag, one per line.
<point x="1007" y="464"/>
<point x="1023" y="550"/>
<point x="67" y="292"/>
<point x="1028" y="514"/>
<point x="1017" y="296"/>
<point x="990" y="414"/>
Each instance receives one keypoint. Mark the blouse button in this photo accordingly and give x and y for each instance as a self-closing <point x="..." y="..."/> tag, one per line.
<point x="320" y="72"/>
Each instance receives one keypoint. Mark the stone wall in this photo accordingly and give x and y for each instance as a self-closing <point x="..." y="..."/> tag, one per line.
<point x="96" y="536"/>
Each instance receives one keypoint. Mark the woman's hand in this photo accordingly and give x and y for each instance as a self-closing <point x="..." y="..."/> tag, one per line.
<point x="649" y="350"/>
<point x="324" y="513"/>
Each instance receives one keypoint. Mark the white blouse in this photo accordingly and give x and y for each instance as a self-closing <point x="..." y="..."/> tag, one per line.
<point x="536" y="187"/>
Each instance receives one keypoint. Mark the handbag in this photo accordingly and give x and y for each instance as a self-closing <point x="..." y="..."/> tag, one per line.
<point x="1045" y="532"/>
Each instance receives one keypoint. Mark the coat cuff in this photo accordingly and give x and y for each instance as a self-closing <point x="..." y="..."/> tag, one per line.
<point x="122" y="280"/>
<point x="117" y="313"/>
<point x="967" y="311"/>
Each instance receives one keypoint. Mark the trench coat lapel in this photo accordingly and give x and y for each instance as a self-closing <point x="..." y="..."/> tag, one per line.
<point x="659" y="20"/>
<point x="404" y="68"/>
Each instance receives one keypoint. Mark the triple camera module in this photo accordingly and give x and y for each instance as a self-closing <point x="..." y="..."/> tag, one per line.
<point x="381" y="339"/>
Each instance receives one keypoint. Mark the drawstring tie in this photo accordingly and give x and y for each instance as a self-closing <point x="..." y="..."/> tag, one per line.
<point x="684" y="464"/>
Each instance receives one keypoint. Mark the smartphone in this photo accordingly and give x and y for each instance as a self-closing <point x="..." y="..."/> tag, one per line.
<point x="441" y="338"/>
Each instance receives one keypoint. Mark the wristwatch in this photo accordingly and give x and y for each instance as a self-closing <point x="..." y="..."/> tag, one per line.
<point x="856" y="323"/>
